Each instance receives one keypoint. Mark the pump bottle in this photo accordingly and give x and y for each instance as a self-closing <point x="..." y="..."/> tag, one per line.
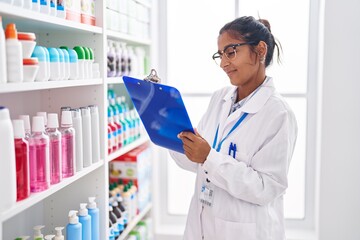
<point x="49" y="237"/>
<point x="95" y="224"/>
<point x="59" y="235"/>
<point x="85" y="220"/>
<point x="37" y="232"/>
<point x="74" y="228"/>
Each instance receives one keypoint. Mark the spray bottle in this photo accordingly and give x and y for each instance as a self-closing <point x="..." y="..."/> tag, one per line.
<point x="74" y="228"/>
<point x="95" y="224"/>
<point x="85" y="220"/>
<point x="37" y="232"/>
<point x="59" y="235"/>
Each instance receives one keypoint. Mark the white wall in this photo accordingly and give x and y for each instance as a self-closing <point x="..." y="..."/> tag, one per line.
<point x="339" y="179"/>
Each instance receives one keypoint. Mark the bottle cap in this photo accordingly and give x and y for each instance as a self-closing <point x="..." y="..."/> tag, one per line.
<point x="53" y="121"/>
<point x="87" y="53"/>
<point x="19" y="129"/>
<point x="61" y="54"/>
<point x="26" y="119"/>
<point x="91" y="53"/>
<point x="59" y="235"/>
<point x="44" y="115"/>
<point x="83" y="210"/>
<point x="85" y="111"/>
<point x="30" y="61"/>
<point x="37" y="231"/>
<point x="93" y="108"/>
<point x="91" y="204"/>
<point x="66" y="55"/>
<point x="73" y="56"/>
<point x="73" y="218"/>
<point x="11" y="32"/>
<point x="54" y="55"/>
<point x="76" y="113"/>
<point x="80" y="52"/>
<point x="38" y="124"/>
<point x="66" y="118"/>
<point x="27" y="36"/>
<point x="64" y="47"/>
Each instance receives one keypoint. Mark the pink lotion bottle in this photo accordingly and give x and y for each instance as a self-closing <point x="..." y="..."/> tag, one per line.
<point x="22" y="160"/>
<point x="55" y="148"/>
<point x="68" y="145"/>
<point x="39" y="156"/>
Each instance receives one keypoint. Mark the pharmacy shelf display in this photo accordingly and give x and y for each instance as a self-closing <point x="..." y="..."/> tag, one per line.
<point x="51" y="207"/>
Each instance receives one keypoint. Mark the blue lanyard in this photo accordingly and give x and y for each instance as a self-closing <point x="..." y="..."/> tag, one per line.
<point x="233" y="128"/>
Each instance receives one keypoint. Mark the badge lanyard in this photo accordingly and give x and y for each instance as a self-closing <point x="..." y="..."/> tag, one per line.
<point x="232" y="129"/>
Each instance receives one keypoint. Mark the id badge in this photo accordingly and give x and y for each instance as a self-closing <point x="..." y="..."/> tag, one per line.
<point x="206" y="194"/>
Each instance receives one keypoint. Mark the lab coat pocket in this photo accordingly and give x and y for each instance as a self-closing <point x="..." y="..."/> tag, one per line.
<point x="226" y="230"/>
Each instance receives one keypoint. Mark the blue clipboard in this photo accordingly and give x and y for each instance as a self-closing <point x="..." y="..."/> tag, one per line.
<point x="161" y="110"/>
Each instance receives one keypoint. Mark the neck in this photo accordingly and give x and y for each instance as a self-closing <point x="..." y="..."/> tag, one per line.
<point x="246" y="89"/>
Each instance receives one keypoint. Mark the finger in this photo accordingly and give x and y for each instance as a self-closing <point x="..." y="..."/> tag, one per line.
<point x="188" y="135"/>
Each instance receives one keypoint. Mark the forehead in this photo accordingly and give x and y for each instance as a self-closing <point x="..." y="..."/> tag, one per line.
<point x="226" y="39"/>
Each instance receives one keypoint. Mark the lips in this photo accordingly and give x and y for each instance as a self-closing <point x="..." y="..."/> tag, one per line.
<point x="229" y="72"/>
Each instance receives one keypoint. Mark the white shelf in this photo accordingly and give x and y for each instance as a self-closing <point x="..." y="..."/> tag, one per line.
<point x="127" y="38"/>
<point x="41" y="21"/>
<point x="114" y="80"/>
<point x="37" y="197"/>
<point x="134" y="222"/>
<point x="127" y="148"/>
<point x="31" y="86"/>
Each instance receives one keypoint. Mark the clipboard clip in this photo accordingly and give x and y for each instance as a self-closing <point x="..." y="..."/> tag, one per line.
<point x="153" y="77"/>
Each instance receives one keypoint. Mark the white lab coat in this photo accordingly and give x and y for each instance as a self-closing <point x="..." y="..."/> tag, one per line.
<point x="248" y="191"/>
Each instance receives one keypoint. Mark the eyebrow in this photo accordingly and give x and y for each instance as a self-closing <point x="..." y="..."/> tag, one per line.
<point x="229" y="45"/>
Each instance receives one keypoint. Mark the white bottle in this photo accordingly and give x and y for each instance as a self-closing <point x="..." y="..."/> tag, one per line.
<point x="53" y="10"/>
<point x="95" y="133"/>
<point x="7" y="161"/>
<point x="55" y="68"/>
<point x="19" y="3"/>
<point x="37" y="232"/>
<point x="3" y="70"/>
<point x="87" y="146"/>
<point x="28" y="4"/>
<point x="62" y="64"/>
<point x="59" y="235"/>
<point x="67" y="64"/>
<point x="49" y="237"/>
<point x="45" y="6"/>
<point x="14" y="56"/>
<point x="77" y="125"/>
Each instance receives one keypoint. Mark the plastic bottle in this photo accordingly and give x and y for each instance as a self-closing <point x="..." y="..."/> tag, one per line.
<point x="49" y="237"/>
<point x="67" y="64"/>
<point x="45" y="6"/>
<point x="117" y="212"/>
<point x="77" y="124"/>
<point x="7" y="161"/>
<point x="111" y="59"/>
<point x="14" y="56"/>
<point x="87" y="137"/>
<point x="55" y="148"/>
<point x="127" y="202"/>
<point x="124" y="60"/>
<point x="37" y="232"/>
<point x="73" y="63"/>
<point x="39" y="156"/>
<point x="61" y="9"/>
<point x="95" y="223"/>
<point x="124" y="124"/>
<point x="124" y="212"/>
<point x="95" y="133"/>
<point x="114" y="220"/>
<point x="53" y="4"/>
<point x="3" y="69"/>
<point x="68" y="145"/>
<point x="36" y="5"/>
<point x="22" y="160"/>
<point x="59" y="235"/>
<point x="73" y="228"/>
<point x="134" y="197"/>
<point x="62" y="64"/>
<point x="91" y="62"/>
<point x="55" y="67"/>
<point x="47" y="55"/>
<point x="86" y="63"/>
<point x="40" y="54"/>
<point x="114" y="130"/>
<point x="81" y="61"/>
<point x="44" y="115"/>
<point x="28" y="4"/>
<point x="118" y="52"/>
<point x="26" y="119"/>
<point x="85" y="220"/>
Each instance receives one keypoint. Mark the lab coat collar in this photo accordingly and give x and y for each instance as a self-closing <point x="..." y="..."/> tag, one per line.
<point x="254" y="104"/>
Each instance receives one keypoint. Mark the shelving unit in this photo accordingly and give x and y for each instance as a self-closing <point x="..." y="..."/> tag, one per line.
<point x="50" y="207"/>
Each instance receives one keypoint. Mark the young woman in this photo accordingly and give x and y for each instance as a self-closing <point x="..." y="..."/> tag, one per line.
<point x="243" y="145"/>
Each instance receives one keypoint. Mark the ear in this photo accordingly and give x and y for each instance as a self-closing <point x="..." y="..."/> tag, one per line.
<point x="261" y="49"/>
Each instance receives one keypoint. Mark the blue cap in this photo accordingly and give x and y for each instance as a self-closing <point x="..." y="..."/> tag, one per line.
<point x="54" y="55"/>
<point x="66" y="55"/>
<point x="47" y="54"/>
<point x="61" y="55"/>
<point x="39" y="53"/>
<point x="73" y="56"/>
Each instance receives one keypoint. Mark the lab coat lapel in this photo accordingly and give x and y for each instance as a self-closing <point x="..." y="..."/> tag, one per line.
<point x="224" y="112"/>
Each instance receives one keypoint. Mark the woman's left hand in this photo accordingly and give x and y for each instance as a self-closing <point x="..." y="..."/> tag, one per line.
<point x="195" y="147"/>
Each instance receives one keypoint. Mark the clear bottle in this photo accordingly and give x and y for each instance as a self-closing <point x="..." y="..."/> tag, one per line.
<point x="22" y="160"/>
<point x="68" y="145"/>
<point x="14" y="56"/>
<point x="87" y="137"/>
<point x="27" y="126"/>
<point x="3" y="69"/>
<point x="77" y="124"/>
<point x="55" y="148"/>
<point x="39" y="156"/>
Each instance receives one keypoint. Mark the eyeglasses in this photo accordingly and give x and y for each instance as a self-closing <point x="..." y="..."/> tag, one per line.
<point x="229" y="52"/>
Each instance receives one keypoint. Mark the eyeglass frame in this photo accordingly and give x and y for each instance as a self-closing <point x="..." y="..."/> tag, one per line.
<point x="234" y="46"/>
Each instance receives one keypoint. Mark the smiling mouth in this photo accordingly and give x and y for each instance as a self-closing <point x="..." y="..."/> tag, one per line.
<point x="230" y="72"/>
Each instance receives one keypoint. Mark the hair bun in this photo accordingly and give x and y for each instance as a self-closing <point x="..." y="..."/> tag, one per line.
<point x="266" y="23"/>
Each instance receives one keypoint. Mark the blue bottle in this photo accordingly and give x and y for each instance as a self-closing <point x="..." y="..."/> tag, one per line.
<point x="74" y="228"/>
<point x="85" y="220"/>
<point x="95" y="224"/>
